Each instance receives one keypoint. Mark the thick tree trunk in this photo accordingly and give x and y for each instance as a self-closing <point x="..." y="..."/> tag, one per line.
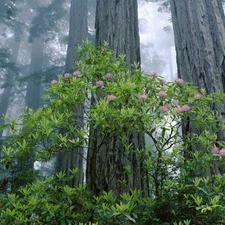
<point x="199" y="30"/>
<point x="78" y="31"/>
<point x="117" y="24"/>
<point x="109" y="165"/>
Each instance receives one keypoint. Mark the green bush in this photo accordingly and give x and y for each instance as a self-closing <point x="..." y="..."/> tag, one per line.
<point x="185" y="185"/>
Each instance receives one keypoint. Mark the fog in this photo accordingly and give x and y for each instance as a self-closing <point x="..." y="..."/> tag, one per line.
<point x="156" y="37"/>
<point x="156" y="33"/>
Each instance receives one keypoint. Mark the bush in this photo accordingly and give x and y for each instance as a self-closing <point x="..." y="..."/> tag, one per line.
<point x="184" y="182"/>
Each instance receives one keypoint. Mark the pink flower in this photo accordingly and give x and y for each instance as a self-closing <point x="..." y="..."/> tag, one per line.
<point x="198" y="96"/>
<point x="163" y="109"/>
<point x="111" y="97"/>
<point x="185" y="108"/>
<point x="154" y="74"/>
<point x="162" y="94"/>
<point x="99" y="83"/>
<point x="67" y="75"/>
<point x="163" y="81"/>
<point x="179" y="81"/>
<point x="215" y="150"/>
<point x="76" y="73"/>
<point x="178" y="110"/>
<point x="168" y="105"/>
<point x="109" y="76"/>
<point x="222" y="152"/>
<point x="142" y="96"/>
<point x="53" y="81"/>
<point x="176" y="102"/>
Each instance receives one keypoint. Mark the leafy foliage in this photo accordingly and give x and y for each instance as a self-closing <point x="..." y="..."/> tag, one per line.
<point x="185" y="182"/>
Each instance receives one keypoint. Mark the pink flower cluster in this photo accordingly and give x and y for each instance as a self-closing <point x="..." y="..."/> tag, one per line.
<point x="179" y="81"/>
<point x="111" y="97"/>
<point x="109" y="76"/>
<point x="76" y="73"/>
<point x="154" y="75"/>
<point x="198" y="96"/>
<point x="54" y="81"/>
<point x="175" y="101"/>
<point x="162" y="94"/>
<point x="99" y="83"/>
<point x="184" y="108"/>
<point x="165" y="107"/>
<point x="67" y="75"/>
<point x="216" y="150"/>
<point x="163" y="81"/>
<point x="142" y="96"/>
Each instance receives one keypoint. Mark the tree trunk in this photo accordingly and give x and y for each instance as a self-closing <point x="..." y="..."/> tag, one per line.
<point x="5" y="96"/>
<point x="32" y="100"/>
<point x="117" y="24"/>
<point x="199" y="30"/>
<point x="33" y="93"/>
<point x="109" y="165"/>
<point x="78" y="31"/>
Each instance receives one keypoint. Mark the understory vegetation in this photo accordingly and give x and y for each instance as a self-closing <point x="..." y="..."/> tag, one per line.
<point x="182" y="156"/>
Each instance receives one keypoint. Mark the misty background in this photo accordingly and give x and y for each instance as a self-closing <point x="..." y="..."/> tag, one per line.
<point x="156" y="36"/>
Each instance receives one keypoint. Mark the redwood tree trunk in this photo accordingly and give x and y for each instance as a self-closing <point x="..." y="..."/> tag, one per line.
<point x="78" y="31"/>
<point x="199" y="30"/>
<point x="109" y="166"/>
<point x="117" y="24"/>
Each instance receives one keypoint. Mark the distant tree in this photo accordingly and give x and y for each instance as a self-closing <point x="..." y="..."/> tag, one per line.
<point x="78" y="32"/>
<point x="8" y="80"/>
<point x="9" y="50"/>
<point x="42" y="28"/>
<point x="151" y="61"/>
<point x="111" y="166"/>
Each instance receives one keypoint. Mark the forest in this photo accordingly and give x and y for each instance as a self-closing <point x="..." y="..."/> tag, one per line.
<point x="96" y="125"/>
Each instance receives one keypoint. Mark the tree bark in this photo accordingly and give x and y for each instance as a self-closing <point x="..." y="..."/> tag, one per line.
<point x="109" y="165"/>
<point x="199" y="31"/>
<point x="78" y="32"/>
<point x="117" y="24"/>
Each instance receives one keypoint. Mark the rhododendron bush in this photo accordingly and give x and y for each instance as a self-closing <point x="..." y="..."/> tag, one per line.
<point x="184" y="158"/>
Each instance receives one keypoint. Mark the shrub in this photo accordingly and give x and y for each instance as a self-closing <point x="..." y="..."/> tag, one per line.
<point x="184" y="183"/>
